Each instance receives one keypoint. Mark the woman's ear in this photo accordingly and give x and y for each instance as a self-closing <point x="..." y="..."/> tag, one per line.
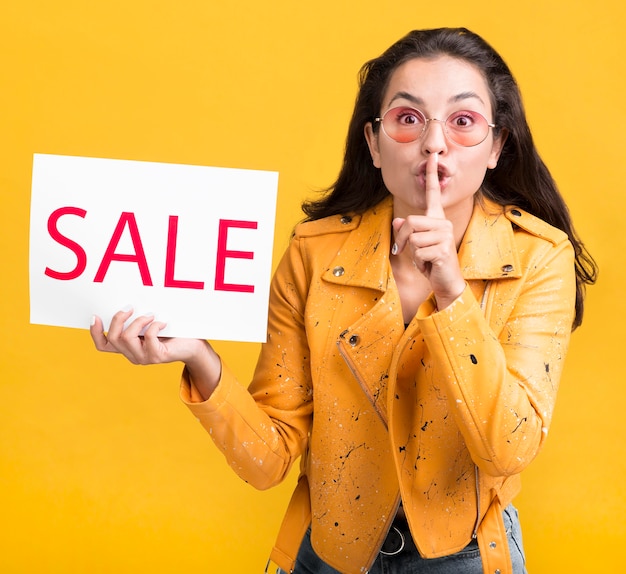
<point x="372" y="143"/>
<point x="496" y="150"/>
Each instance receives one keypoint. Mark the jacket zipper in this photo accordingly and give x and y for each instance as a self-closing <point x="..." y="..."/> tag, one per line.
<point x="355" y="374"/>
<point x="476" y="524"/>
<point x="483" y="302"/>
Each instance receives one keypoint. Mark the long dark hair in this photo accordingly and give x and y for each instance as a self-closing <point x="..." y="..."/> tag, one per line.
<point x="520" y="178"/>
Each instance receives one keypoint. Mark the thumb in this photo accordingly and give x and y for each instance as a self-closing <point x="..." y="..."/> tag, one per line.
<point x="398" y="242"/>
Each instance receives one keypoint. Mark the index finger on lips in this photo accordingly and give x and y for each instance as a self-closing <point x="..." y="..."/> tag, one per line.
<point x="433" y="189"/>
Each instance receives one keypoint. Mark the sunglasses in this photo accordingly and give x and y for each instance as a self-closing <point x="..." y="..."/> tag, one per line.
<point x="464" y="127"/>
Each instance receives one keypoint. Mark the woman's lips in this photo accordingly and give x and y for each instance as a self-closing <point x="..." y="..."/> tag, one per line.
<point x="442" y="173"/>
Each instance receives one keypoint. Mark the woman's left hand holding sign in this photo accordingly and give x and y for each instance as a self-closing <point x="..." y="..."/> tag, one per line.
<point x="140" y="343"/>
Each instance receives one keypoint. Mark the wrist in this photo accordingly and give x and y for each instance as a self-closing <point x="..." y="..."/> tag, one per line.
<point x="204" y="367"/>
<point x="445" y="300"/>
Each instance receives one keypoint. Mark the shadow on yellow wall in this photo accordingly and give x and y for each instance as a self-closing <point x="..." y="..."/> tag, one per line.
<point x="101" y="468"/>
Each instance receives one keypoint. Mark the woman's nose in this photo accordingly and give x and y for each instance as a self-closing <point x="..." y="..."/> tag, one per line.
<point x="434" y="137"/>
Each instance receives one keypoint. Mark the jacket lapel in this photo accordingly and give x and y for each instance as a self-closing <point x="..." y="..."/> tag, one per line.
<point x="363" y="260"/>
<point x="488" y="249"/>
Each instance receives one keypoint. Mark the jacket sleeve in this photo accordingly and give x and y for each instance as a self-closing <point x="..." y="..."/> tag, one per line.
<point x="502" y="371"/>
<point x="261" y="430"/>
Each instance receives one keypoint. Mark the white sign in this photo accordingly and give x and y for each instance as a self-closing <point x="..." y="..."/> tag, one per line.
<point x="190" y="244"/>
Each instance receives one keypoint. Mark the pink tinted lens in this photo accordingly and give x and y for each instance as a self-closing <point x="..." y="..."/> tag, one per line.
<point x="467" y="128"/>
<point x="404" y="124"/>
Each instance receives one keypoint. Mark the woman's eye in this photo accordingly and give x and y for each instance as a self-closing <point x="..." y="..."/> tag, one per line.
<point x="408" y="118"/>
<point x="463" y="120"/>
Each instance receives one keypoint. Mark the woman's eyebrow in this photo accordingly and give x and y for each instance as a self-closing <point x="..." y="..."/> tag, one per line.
<point x="406" y="96"/>
<point x="420" y="102"/>
<point x="466" y="96"/>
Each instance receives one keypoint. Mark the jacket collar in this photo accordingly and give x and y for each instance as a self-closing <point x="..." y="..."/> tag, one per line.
<point x="488" y="250"/>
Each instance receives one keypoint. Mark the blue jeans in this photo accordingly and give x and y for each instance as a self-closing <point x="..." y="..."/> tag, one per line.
<point x="467" y="561"/>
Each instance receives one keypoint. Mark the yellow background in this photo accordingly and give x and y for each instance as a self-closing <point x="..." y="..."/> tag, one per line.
<point x="101" y="468"/>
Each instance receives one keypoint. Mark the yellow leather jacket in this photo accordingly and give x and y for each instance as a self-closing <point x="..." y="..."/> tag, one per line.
<point x="442" y="415"/>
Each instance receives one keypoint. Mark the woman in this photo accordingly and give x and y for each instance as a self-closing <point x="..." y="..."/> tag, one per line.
<point x="417" y="328"/>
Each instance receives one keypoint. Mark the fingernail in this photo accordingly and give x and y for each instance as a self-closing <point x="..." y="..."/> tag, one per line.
<point x="127" y="308"/>
<point x="394" y="249"/>
<point x="93" y="320"/>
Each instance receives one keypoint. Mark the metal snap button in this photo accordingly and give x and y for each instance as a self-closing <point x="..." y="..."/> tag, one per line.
<point x="338" y="271"/>
<point x="507" y="268"/>
<point x="346" y="219"/>
<point x="354" y="340"/>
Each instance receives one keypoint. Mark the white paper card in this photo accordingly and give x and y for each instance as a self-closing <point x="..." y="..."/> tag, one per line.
<point x="190" y="244"/>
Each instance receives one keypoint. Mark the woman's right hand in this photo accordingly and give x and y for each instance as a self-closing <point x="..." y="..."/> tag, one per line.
<point x="140" y="343"/>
